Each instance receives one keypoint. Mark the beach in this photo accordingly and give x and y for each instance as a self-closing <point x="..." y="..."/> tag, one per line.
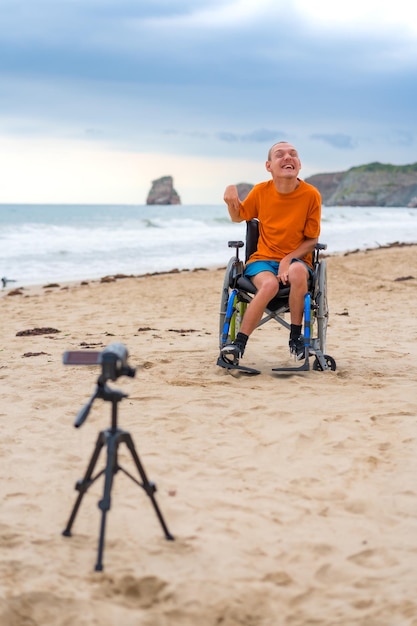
<point x="292" y="497"/>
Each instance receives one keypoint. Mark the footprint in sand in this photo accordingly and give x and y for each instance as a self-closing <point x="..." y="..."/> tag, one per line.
<point x="9" y="538"/>
<point x="141" y="592"/>
<point x="282" y="579"/>
<point x="373" y="559"/>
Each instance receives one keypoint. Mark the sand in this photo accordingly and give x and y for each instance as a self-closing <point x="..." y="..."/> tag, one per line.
<point x="292" y="497"/>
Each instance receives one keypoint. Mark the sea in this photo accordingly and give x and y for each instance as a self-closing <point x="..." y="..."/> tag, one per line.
<point x="43" y="244"/>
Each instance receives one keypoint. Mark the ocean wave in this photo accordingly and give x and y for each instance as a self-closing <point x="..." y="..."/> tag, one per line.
<point x="68" y="243"/>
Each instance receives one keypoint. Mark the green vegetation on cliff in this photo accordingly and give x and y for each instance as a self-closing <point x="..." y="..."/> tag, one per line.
<point x="385" y="167"/>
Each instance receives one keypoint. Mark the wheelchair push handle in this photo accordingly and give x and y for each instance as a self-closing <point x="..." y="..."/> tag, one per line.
<point x="235" y="244"/>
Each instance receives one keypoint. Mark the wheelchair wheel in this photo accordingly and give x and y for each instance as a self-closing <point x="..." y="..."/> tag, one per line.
<point x="322" y="311"/>
<point x="330" y="362"/>
<point x="227" y="334"/>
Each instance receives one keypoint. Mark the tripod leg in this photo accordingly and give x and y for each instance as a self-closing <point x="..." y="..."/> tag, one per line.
<point x="105" y="502"/>
<point x="84" y="484"/>
<point x="149" y="487"/>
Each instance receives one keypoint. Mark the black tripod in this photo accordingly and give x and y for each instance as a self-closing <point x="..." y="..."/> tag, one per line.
<point x="111" y="438"/>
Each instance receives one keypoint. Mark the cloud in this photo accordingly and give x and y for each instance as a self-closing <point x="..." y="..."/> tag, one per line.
<point x="221" y="14"/>
<point x="262" y="135"/>
<point x="210" y="80"/>
<point x="402" y="138"/>
<point x="337" y="140"/>
<point x="369" y="16"/>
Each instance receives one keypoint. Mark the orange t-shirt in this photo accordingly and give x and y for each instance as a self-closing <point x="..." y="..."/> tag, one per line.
<point x="285" y="219"/>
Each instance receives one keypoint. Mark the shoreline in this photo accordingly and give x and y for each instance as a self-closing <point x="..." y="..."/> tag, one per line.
<point x="65" y="284"/>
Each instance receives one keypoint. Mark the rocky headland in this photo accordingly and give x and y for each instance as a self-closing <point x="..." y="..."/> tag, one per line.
<point x="375" y="184"/>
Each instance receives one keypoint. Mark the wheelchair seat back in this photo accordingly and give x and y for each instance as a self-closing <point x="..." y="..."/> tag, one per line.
<point x="252" y="236"/>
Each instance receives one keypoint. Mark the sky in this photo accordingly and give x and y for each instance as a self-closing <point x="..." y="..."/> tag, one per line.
<point x="98" y="98"/>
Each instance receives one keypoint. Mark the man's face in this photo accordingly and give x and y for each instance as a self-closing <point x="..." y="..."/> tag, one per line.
<point x="284" y="161"/>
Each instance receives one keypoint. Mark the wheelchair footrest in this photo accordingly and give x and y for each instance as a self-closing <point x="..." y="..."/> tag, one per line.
<point x="322" y="362"/>
<point x="222" y="362"/>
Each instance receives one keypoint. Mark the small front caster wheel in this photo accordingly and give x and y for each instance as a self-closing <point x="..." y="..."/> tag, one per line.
<point x="330" y="362"/>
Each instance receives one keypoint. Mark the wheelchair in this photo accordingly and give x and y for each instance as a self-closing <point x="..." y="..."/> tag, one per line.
<point x="238" y="291"/>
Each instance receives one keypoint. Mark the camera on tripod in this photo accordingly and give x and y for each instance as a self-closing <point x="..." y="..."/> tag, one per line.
<point x="113" y="361"/>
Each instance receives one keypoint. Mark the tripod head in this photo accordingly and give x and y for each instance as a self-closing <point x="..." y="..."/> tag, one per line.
<point x="113" y="361"/>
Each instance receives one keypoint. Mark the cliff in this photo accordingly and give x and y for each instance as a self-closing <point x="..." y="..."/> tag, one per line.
<point x="163" y="192"/>
<point x="375" y="184"/>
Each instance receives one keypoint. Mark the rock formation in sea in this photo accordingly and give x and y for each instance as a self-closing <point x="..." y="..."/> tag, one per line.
<point x="243" y="189"/>
<point x="163" y="192"/>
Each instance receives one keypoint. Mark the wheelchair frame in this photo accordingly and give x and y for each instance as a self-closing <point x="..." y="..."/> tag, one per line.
<point x="238" y="291"/>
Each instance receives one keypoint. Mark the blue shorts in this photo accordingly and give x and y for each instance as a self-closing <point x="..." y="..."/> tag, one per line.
<point x="255" y="267"/>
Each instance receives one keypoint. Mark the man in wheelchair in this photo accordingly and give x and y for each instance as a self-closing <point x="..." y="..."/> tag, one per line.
<point x="288" y="211"/>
